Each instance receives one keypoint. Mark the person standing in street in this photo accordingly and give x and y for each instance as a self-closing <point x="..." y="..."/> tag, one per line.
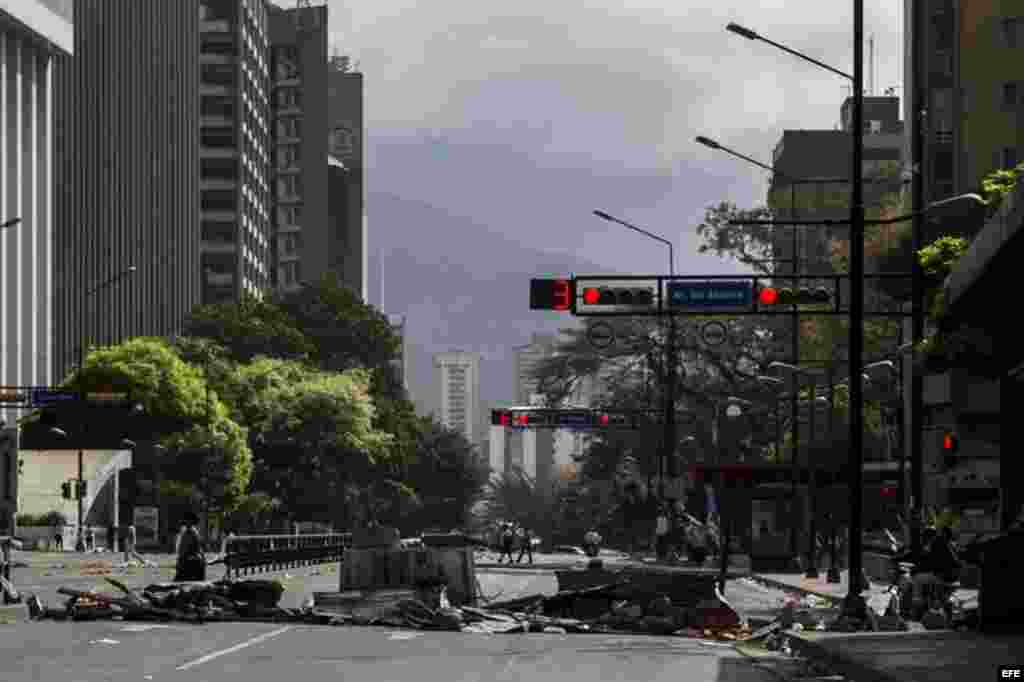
<point x="191" y="560"/>
<point x="525" y="544"/>
<point x="661" y="534"/>
<point x="508" y="537"/>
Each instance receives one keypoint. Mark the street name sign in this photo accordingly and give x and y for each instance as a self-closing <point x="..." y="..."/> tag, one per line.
<point x="42" y="397"/>
<point x="710" y="295"/>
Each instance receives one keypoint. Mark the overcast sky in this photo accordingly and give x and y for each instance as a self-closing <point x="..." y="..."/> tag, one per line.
<point x="528" y="115"/>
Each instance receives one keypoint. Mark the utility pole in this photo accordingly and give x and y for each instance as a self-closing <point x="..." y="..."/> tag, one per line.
<point x="917" y="288"/>
<point x="854" y="604"/>
<point x="794" y="532"/>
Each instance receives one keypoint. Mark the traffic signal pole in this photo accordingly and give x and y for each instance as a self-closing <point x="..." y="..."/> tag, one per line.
<point x="917" y="295"/>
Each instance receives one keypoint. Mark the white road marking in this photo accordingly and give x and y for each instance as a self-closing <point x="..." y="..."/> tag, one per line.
<point x="249" y="642"/>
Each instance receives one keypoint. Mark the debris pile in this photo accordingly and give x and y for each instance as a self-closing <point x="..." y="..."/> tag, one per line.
<point x="617" y="607"/>
<point x="189" y="602"/>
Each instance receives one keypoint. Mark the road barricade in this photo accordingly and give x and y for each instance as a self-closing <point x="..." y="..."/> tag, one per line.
<point x="250" y="554"/>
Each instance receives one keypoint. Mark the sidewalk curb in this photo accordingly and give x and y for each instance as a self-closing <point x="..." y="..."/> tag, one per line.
<point x="788" y="587"/>
<point x="839" y="663"/>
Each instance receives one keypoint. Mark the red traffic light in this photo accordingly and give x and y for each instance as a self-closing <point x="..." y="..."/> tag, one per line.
<point x="888" y="492"/>
<point x="949" y="442"/>
<point x="505" y="420"/>
<point x="603" y="419"/>
<point x="523" y="419"/>
<point x="550" y="294"/>
<point x="591" y="296"/>
<point x="768" y="296"/>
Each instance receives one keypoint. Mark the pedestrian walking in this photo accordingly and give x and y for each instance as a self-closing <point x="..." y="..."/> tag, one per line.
<point x="58" y="541"/>
<point x="191" y="560"/>
<point x="525" y="544"/>
<point x="508" y="537"/>
<point x="592" y="542"/>
<point x="661" y="535"/>
<point x="90" y="540"/>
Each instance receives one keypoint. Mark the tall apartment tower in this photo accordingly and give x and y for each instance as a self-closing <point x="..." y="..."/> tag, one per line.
<point x="298" y="41"/>
<point x="126" y="174"/>
<point x="235" y="134"/>
<point x="457" y="375"/>
<point x="36" y="40"/>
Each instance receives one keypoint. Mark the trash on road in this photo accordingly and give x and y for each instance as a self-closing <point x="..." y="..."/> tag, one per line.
<point x="188" y="602"/>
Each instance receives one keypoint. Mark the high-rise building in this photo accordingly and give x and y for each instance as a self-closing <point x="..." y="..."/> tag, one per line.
<point x="811" y="179"/>
<point x="401" y="362"/>
<point x="235" y="148"/>
<point x="126" y="174"/>
<point x="457" y="375"/>
<point x="972" y="95"/>
<point x="972" y="90"/>
<point x="302" y="167"/>
<point x="347" y="247"/>
<point x="36" y="38"/>
<point x="526" y="360"/>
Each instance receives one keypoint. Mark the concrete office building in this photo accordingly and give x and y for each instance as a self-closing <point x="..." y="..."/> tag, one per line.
<point x="303" y="224"/>
<point x="973" y="94"/>
<point x="126" y="174"/>
<point x="457" y="376"/>
<point x="347" y="250"/>
<point x="35" y="39"/>
<point x="235" y="134"/>
<point x="820" y="154"/>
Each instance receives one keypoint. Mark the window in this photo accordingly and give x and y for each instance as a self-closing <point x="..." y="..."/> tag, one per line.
<point x="875" y="127"/>
<point x="1008" y="156"/>
<point x="289" y="186"/>
<point x="288" y="156"/>
<point x="290" y="273"/>
<point x="289" y="215"/>
<point x="219" y="44"/>
<point x="218" y="231"/>
<point x="220" y="137"/>
<point x="218" y="200"/>
<point x="944" y="63"/>
<point x="214" y="105"/>
<point x="1011" y="95"/>
<point x="289" y="127"/>
<point x="291" y="243"/>
<point x="219" y="169"/>
<point x="1012" y="31"/>
<point x="289" y="97"/>
<point x="218" y="74"/>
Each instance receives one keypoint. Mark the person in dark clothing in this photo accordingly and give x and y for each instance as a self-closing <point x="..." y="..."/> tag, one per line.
<point x="526" y="545"/>
<point x="508" y="537"/>
<point x="191" y="560"/>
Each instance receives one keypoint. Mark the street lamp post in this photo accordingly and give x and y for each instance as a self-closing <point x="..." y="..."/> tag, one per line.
<point x="854" y="604"/>
<point x="669" y="435"/>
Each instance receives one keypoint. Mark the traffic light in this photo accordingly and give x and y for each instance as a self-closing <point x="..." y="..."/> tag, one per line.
<point x="773" y="296"/>
<point x="889" y="491"/>
<point x="610" y="297"/>
<point x="500" y="418"/>
<point x="65" y="490"/>
<point x="550" y="294"/>
<point x="950" y="445"/>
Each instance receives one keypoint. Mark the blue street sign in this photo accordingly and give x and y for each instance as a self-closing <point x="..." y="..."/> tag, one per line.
<point x="710" y="294"/>
<point x="575" y="419"/>
<point x="42" y="397"/>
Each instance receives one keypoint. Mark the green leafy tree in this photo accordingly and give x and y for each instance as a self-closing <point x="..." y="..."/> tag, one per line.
<point x="250" y="328"/>
<point x="448" y="478"/>
<point x="320" y="444"/>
